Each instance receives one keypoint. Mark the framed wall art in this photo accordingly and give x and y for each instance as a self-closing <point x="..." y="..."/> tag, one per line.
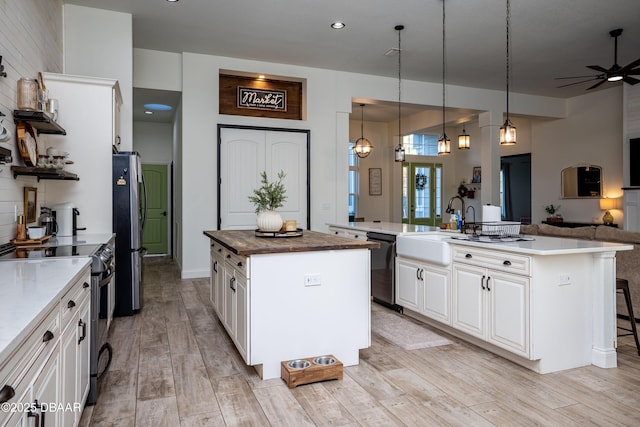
<point x="477" y="174"/>
<point x="30" y="201"/>
<point x="375" y="181"/>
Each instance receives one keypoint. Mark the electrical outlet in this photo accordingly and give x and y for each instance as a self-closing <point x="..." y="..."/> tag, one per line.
<point x="564" y="279"/>
<point x="312" y="279"/>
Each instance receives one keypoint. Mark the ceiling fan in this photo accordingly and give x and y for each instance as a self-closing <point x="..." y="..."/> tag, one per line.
<point x="614" y="73"/>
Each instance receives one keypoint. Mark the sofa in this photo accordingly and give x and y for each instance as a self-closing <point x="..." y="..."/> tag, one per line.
<point x="627" y="262"/>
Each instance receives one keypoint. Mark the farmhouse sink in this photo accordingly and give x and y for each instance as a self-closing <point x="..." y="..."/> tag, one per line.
<point x="432" y="248"/>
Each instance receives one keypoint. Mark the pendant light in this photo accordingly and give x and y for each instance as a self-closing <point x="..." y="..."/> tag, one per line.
<point x="444" y="143"/>
<point x="464" y="140"/>
<point x="399" y="151"/>
<point x="362" y="147"/>
<point x="507" y="130"/>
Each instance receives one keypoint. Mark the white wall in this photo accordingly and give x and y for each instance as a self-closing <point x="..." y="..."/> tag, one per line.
<point x="30" y="41"/>
<point x="592" y="133"/>
<point x="99" y="43"/>
<point x="154" y="69"/>
<point x="154" y="141"/>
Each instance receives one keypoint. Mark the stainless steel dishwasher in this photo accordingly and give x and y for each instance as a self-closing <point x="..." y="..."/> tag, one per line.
<point x="383" y="289"/>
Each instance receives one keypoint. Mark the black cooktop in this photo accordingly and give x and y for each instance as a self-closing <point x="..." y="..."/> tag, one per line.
<point x="33" y="252"/>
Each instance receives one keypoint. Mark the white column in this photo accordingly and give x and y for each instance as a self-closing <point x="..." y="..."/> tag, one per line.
<point x="603" y="284"/>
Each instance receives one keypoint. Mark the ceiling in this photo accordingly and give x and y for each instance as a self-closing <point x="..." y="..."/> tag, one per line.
<point x="549" y="38"/>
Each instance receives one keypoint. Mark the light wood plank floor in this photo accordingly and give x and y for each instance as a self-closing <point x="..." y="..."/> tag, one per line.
<point x="174" y="365"/>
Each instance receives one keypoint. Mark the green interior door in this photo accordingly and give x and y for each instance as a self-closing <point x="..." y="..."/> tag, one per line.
<point x="154" y="237"/>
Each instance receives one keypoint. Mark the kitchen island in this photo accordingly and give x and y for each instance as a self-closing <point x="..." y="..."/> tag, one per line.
<point x="546" y="303"/>
<point x="284" y="298"/>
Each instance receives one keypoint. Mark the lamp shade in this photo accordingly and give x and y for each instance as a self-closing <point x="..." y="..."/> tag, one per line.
<point x="464" y="141"/>
<point x="607" y="204"/>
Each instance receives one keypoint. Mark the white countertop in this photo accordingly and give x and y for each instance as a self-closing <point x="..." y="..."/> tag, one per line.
<point x="29" y="290"/>
<point x="546" y="245"/>
<point x="394" y="228"/>
<point x="81" y="239"/>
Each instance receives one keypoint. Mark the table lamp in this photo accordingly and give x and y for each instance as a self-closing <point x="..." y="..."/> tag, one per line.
<point x="606" y="204"/>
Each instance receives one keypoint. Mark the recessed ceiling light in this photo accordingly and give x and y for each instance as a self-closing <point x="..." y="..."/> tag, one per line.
<point x="173" y="1"/>
<point x="148" y="112"/>
<point x="158" y="107"/>
<point x="338" y="25"/>
<point x="261" y="77"/>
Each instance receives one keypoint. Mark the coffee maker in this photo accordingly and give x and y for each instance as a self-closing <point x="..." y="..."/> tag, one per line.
<point x="48" y="221"/>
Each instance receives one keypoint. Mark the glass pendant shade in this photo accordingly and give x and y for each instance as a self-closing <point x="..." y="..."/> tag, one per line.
<point x="507" y="133"/>
<point x="362" y="147"/>
<point x="444" y="144"/>
<point x="399" y="153"/>
<point x="464" y="140"/>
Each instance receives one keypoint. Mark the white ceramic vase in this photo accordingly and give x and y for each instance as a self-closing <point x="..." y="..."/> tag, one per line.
<point x="269" y="221"/>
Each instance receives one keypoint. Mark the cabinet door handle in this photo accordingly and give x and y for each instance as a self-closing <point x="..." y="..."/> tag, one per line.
<point x="507" y="262"/>
<point x="422" y="274"/>
<point x="71" y="304"/>
<point x="6" y="393"/>
<point x="48" y="336"/>
<point x="488" y="278"/>
<point x="418" y="273"/>
<point x="482" y="282"/>
<point x="232" y="281"/>
<point x="85" y="285"/>
<point x="356" y="236"/>
<point x="335" y="232"/>
<point x="82" y="325"/>
<point x="215" y="266"/>
<point x="468" y="256"/>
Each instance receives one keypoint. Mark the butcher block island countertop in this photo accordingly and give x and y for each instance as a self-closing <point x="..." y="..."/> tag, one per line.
<point x="245" y="242"/>
<point x="286" y="298"/>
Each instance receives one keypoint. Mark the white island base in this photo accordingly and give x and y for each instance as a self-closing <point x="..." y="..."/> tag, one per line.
<point x="296" y="303"/>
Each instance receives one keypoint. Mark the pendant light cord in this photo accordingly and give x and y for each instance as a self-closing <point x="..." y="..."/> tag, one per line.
<point x="399" y="28"/>
<point x="443" y="69"/>
<point x="508" y="51"/>
<point x="361" y="121"/>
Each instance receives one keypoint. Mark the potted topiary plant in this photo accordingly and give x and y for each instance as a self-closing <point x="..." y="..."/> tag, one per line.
<point x="267" y="198"/>
<point x="552" y="211"/>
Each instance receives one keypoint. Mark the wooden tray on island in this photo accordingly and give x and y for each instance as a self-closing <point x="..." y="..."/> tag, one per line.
<point x="31" y="241"/>
<point x="280" y="233"/>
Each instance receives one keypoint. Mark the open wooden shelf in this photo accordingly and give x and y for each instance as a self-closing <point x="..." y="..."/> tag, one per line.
<point x="44" y="173"/>
<point x="39" y="120"/>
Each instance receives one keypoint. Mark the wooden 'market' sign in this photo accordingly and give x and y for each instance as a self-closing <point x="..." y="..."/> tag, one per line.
<point x="249" y="96"/>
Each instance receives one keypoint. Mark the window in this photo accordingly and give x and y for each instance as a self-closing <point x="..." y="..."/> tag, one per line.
<point x="421" y="144"/>
<point x="354" y="183"/>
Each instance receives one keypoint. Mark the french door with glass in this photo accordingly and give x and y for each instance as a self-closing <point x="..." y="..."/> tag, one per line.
<point x="422" y="193"/>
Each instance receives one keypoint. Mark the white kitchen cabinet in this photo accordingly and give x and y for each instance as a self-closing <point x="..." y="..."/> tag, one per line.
<point x="490" y="303"/>
<point x="423" y="288"/>
<point x="348" y="232"/>
<point x="49" y="370"/>
<point x="89" y="109"/>
<point x="216" y="292"/>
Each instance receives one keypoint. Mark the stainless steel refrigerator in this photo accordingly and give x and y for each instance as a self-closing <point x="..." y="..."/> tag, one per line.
<point x="129" y="217"/>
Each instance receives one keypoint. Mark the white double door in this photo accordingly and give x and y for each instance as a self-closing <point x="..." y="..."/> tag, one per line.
<point x="244" y="154"/>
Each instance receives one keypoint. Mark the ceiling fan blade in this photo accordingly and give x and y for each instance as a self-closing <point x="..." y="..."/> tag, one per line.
<point x="597" y="84"/>
<point x="577" y="83"/>
<point x="579" y="77"/>
<point x="630" y="66"/>
<point x="633" y="72"/>
<point x="598" y="68"/>
<point x="630" y="80"/>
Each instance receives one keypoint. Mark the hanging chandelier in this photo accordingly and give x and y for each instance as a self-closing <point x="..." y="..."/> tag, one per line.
<point x="362" y="147"/>
<point x="444" y="143"/>
<point x="464" y="140"/>
<point x="507" y="130"/>
<point x="399" y="151"/>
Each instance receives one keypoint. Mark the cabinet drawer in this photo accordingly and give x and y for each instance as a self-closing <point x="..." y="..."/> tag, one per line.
<point x="70" y="302"/>
<point x="32" y="352"/>
<point x="239" y="263"/>
<point x="496" y="260"/>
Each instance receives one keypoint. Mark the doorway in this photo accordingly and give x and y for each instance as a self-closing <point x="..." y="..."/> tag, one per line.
<point x="155" y="234"/>
<point x="422" y="193"/>
<point x="515" y="191"/>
